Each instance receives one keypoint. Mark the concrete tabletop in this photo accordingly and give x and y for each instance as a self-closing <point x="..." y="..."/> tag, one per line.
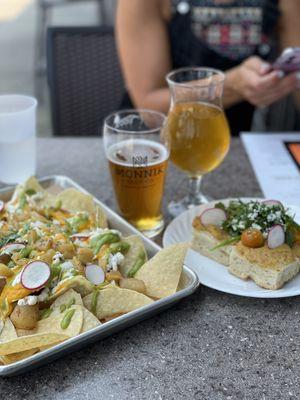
<point x="210" y="346"/>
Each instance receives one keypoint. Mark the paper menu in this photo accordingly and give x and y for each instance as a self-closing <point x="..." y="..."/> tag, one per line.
<point x="274" y="167"/>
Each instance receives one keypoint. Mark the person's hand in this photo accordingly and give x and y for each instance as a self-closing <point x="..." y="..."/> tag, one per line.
<point x="256" y="83"/>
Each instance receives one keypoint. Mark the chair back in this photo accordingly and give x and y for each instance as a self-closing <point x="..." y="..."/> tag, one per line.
<point x="84" y="77"/>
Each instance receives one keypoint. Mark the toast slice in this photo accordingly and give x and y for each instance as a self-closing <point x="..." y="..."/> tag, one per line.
<point x="203" y="241"/>
<point x="268" y="277"/>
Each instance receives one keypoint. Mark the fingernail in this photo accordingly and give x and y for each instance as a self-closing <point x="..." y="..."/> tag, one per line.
<point x="264" y="67"/>
<point x="280" y="74"/>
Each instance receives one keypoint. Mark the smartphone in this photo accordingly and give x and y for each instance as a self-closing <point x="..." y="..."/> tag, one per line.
<point x="289" y="61"/>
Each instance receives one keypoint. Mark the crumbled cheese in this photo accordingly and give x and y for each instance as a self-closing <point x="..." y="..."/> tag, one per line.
<point x="67" y="265"/>
<point x="28" y="301"/>
<point x="57" y="258"/>
<point x="256" y="226"/>
<point x="241" y="225"/>
<point x="43" y="295"/>
<point x="11" y="208"/>
<point x="36" y="224"/>
<point x="113" y="261"/>
<point x="253" y="216"/>
<point x="271" y="217"/>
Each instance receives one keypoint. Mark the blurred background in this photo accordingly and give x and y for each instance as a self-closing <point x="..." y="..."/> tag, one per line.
<point x="22" y="43"/>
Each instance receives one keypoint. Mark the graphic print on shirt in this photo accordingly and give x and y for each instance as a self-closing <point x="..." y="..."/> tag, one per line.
<point x="233" y="31"/>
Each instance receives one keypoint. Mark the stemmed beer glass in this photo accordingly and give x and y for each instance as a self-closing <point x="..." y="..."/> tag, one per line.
<point x="197" y="130"/>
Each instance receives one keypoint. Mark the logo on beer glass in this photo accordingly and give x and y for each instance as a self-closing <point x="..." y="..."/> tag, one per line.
<point x="140" y="161"/>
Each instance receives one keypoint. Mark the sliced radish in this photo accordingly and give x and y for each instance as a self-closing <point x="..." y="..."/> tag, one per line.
<point x="213" y="216"/>
<point x="35" y="275"/>
<point x="80" y="236"/>
<point x="2" y="204"/>
<point x="94" y="274"/>
<point x="276" y="236"/>
<point x="11" y="247"/>
<point x="272" y="203"/>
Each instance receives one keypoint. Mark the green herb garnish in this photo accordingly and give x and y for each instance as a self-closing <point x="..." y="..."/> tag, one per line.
<point x="94" y="301"/>
<point x="65" y="322"/>
<point x="225" y="243"/>
<point x="62" y="308"/>
<point x="22" y="201"/>
<point x="137" y="265"/>
<point x="30" y="192"/>
<point x="25" y="253"/>
<point x="9" y="238"/>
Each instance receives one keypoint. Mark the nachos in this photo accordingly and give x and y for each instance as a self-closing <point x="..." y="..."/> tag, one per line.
<point x="63" y="271"/>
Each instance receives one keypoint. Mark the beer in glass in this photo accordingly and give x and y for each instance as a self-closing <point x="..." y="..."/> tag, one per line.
<point x="197" y="130"/>
<point x="138" y="160"/>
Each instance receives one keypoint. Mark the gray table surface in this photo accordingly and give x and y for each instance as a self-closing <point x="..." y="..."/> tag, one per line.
<point x="210" y="346"/>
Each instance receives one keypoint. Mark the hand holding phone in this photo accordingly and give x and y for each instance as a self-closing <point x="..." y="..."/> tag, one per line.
<point x="289" y="61"/>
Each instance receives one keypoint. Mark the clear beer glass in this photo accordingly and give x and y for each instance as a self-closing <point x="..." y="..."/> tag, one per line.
<point x="196" y="130"/>
<point x="138" y="155"/>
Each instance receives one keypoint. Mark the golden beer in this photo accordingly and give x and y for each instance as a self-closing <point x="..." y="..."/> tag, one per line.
<point x="198" y="135"/>
<point x="138" y="168"/>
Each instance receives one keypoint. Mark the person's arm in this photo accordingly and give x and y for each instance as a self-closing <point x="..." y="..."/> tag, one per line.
<point x="289" y="29"/>
<point x="143" y="46"/>
<point x="144" y="52"/>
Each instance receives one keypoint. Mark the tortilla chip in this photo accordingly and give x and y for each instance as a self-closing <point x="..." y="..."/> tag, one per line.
<point x="42" y="348"/>
<point x="136" y="248"/>
<point x="67" y="298"/>
<point x="100" y="217"/>
<point x="89" y="321"/>
<point x="116" y="301"/>
<point x="7" y="330"/>
<point x="79" y="283"/>
<point x="14" y="357"/>
<point x="53" y="323"/>
<point x="161" y="274"/>
<point x="30" y="342"/>
<point x="32" y="183"/>
<point x="74" y="201"/>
